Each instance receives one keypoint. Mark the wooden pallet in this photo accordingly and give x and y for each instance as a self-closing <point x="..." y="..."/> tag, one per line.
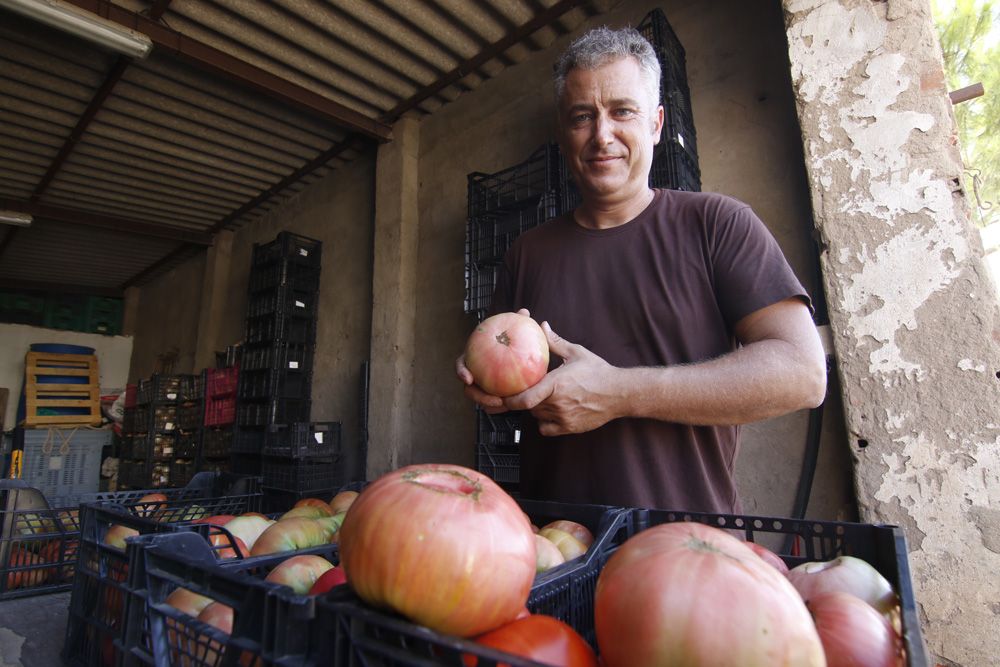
<point x="40" y="395"/>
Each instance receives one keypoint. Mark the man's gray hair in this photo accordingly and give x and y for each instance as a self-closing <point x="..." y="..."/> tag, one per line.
<point x="603" y="45"/>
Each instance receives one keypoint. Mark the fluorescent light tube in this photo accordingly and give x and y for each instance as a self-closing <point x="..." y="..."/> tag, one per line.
<point x="15" y="218"/>
<point x="83" y="24"/>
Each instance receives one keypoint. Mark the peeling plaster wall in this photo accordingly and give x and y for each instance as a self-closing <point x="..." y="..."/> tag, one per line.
<point x="912" y="307"/>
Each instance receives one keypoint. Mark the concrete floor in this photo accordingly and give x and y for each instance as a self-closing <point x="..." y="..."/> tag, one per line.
<point x="32" y="630"/>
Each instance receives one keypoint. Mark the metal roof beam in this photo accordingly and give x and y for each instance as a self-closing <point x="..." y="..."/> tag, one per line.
<point x="173" y="256"/>
<point x="209" y="58"/>
<point x="62" y="288"/>
<point x="123" y="225"/>
<point x="494" y="50"/>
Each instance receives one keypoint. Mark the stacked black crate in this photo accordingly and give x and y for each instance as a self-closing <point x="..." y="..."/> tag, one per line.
<point x="190" y="432"/>
<point x="275" y="376"/>
<point x="151" y="430"/>
<point x="503" y="205"/>
<point x="675" y="159"/>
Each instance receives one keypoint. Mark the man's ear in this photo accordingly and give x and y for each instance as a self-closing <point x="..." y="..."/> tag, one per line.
<point x="658" y="124"/>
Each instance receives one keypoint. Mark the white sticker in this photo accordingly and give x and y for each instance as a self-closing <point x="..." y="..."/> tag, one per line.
<point x="293" y="364"/>
<point x="169" y="426"/>
<point x="517" y="436"/>
<point x="300" y="304"/>
<point x="55" y="462"/>
<point x="680" y="139"/>
<point x="303" y="252"/>
<point x="172" y="397"/>
<point x="318" y="435"/>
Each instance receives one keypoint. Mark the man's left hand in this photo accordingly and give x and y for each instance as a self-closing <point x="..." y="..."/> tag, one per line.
<point x="576" y="397"/>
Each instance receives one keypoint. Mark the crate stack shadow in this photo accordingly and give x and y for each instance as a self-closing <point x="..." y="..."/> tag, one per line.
<point x="504" y="204"/>
<point x="273" y="435"/>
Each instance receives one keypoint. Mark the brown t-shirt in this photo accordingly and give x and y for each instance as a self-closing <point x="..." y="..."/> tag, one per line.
<point x="665" y="288"/>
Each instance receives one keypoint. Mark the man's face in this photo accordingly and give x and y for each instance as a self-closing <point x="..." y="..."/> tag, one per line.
<point x="608" y="126"/>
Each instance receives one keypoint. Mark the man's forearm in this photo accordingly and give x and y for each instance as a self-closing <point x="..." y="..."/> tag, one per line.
<point x="764" y="379"/>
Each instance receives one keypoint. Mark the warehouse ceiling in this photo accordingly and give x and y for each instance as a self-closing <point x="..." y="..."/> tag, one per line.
<point x="130" y="166"/>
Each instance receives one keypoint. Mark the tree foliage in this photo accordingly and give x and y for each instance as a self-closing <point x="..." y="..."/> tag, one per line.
<point x="969" y="31"/>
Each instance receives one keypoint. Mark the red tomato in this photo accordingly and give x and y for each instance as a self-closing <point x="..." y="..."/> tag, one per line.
<point x="540" y="638"/>
<point x="333" y="577"/>
<point x="442" y="545"/>
<point x="507" y="353"/>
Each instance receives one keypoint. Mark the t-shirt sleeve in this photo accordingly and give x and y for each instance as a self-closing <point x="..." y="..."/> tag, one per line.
<point x="749" y="268"/>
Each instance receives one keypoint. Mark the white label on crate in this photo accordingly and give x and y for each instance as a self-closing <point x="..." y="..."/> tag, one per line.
<point x="303" y="252"/>
<point x="680" y="139"/>
<point x="172" y="397"/>
<point x="55" y="462"/>
<point x="318" y="436"/>
<point x="169" y="426"/>
<point x="293" y="364"/>
<point x="300" y="304"/>
<point x="517" y="436"/>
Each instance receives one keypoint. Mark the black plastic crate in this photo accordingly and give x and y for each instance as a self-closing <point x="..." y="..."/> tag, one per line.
<point x="480" y="282"/>
<point x="161" y="389"/>
<point x="500" y="430"/>
<point x="512" y="187"/>
<point x="190" y="416"/>
<point x="288" y="246"/>
<point x="271" y="626"/>
<point x="285" y="273"/>
<point x="279" y="356"/>
<point x="151" y="418"/>
<point x="133" y="474"/>
<point x="303" y="440"/>
<point x="488" y="237"/>
<point x="154" y="446"/>
<point x="216" y="442"/>
<point x="182" y="471"/>
<point x="304" y="475"/>
<point x="192" y="387"/>
<point x="245" y="464"/>
<point x="275" y="383"/>
<point x="248" y="440"/>
<point x="354" y="634"/>
<point x="105" y="581"/>
<point x="501" y="464"/>
<point x="274" y="411"/>
<point x="275" y="328"/>
<point x="669" y="50"/>
<point x="188" y="444"/>
<point x="284" y="302"/>
<point x="884" y="547"/>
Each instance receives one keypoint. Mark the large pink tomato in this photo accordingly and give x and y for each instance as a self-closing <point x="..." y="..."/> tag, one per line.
<point x="441" y="544"/>
<point x="690" y="594"/>
<point x="507" y="353"/>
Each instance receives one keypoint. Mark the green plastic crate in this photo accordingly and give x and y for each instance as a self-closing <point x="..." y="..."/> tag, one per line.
<point x="65" y="312"/>
<point x="22" y="308"/>
<point x="103" y="315"/>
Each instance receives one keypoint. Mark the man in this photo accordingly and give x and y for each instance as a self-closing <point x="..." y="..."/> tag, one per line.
<point x="685" y="318"/>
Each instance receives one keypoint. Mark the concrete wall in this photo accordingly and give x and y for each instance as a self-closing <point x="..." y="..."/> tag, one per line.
<point x="113" y="356"/>
<point x="166" y="321"/>
<point x="913" y="310"/>
<point x="338" y="211"/>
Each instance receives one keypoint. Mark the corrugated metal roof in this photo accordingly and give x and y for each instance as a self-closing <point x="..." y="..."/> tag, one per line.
<point x="241" y="103"/>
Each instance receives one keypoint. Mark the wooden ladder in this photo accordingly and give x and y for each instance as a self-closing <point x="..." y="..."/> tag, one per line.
<point x="41" y="395"/>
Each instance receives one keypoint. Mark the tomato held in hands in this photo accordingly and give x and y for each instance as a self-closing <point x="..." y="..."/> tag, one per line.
<point x="507" y="353"/>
